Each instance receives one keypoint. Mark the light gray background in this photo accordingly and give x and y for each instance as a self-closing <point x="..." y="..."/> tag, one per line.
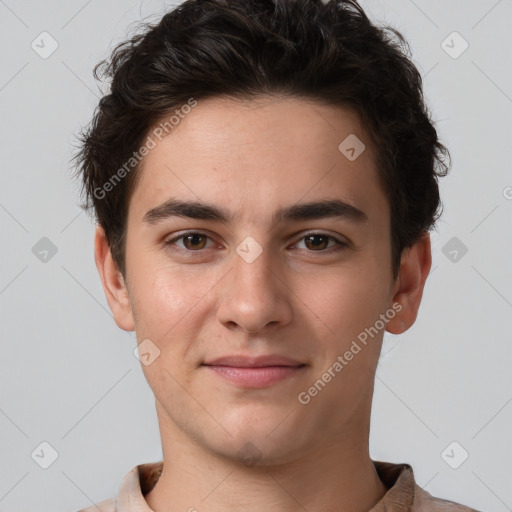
<point x="68" y="374"/>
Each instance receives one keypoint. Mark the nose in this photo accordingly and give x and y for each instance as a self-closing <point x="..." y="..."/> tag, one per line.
<point x="255" y="295"/>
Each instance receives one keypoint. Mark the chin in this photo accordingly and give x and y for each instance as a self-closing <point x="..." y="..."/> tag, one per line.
<point x="261" y="440"/>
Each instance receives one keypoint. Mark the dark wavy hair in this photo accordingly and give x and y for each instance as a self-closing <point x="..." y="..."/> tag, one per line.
<point x="325" y="51"/>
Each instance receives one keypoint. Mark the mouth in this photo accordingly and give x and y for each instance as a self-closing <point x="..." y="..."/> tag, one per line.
<point x="254" y="372"/>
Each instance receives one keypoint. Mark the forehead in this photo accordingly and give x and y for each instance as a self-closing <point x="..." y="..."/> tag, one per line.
<point x="259" y="154"/>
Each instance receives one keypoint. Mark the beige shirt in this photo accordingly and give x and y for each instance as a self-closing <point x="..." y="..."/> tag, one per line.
<point x="403" y="494"/>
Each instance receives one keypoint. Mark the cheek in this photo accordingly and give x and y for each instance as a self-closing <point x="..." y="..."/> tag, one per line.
<point x="347" y="298"/>
<point x="166" y="297"/>
<point x="172" y="308"/>
<point x="349" y="306"/>
<point x="169" y="313"/>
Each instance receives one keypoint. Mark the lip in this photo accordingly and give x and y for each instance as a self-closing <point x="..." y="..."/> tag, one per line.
<point x="253" y="361"/>
<point x="254" y="372"/>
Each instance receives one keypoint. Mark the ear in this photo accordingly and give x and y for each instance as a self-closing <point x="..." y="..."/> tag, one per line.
<point x="408" y="289"/>
<point x="113" y="282"/>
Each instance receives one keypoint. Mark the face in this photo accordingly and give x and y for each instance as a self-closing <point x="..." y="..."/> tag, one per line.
<point x="258" y="262"/>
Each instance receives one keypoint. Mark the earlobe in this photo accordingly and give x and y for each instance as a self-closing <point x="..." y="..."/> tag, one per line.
<point x="409" y="285"/>
<point x="113" y="282"/>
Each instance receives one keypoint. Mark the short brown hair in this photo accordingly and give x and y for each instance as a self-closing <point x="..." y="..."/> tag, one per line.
<point x="325" y="51"/>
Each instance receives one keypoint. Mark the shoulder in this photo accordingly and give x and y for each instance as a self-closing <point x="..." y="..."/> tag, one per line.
<point x="425" y="502"/>
<point x="109" y="505"/>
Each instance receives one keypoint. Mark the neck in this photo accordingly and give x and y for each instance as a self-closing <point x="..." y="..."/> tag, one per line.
<point x="335" y="476"/>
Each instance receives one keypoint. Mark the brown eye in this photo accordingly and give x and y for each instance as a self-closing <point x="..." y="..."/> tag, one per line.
<point x="316" y="242"/>
<point x="194" y="241"/>
<point x="321" y="242"/>
<point x="191" y="241"/>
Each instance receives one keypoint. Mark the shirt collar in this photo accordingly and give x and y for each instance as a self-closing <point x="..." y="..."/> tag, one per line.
<point x="398" y="479"/>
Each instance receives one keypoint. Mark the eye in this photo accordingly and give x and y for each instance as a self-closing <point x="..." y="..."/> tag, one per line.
<point x="319" y="242"/>
<point x="192" y="241"/>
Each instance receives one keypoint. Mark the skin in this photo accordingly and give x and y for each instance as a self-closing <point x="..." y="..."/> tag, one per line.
<point x="295" y="299"/>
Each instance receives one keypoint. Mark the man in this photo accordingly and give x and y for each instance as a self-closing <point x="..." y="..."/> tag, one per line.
<point x="264" y="178"/>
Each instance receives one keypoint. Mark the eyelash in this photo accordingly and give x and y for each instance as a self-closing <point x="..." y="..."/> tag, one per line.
<point x="339" y="245"/>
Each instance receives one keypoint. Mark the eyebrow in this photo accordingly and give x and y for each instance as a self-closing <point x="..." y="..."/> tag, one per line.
<point x="332" y="208"/>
